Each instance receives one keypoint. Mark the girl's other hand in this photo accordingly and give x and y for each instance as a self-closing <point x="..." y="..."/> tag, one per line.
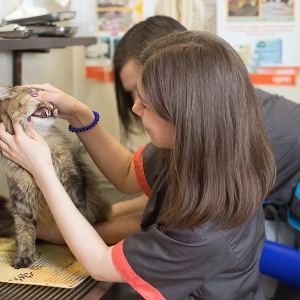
<point x="31" y="152"/>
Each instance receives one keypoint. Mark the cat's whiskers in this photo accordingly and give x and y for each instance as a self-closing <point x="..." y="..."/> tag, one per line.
<point x="27" y="83"/>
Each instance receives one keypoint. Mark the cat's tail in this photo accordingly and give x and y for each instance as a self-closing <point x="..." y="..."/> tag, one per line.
<point x="6" y="219"/>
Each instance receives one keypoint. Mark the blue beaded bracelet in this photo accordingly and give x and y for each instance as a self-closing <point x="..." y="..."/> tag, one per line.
<point x="86" y="128"/>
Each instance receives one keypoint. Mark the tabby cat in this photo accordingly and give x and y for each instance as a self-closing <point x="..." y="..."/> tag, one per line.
<point x="27" y="204"/>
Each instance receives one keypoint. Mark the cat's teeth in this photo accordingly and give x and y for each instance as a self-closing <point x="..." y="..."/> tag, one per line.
<point x="55" y="113"/>
<point x="43" y="113"/>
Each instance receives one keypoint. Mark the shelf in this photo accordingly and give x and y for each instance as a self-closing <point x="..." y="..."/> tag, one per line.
<point x="38" y="44"/>
<point x="44" y="43"/>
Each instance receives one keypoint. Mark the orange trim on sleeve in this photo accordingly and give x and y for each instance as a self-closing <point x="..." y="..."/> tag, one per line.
<point x="139" y="170"/>
<point x="141" y="286"/>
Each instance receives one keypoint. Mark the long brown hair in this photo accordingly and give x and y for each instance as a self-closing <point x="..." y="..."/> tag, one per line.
<point x="129" y="48"/>
<point x="221" y="165"/>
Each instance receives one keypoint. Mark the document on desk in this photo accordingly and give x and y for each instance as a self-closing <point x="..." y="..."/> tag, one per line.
<point x="54" y="266"/>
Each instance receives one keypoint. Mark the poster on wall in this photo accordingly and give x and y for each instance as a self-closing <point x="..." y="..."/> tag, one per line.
<point x="266" y="34"/>
<point x="113" y="19"/>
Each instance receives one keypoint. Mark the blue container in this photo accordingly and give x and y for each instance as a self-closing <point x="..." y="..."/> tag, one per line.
<point x="281" y="262"/>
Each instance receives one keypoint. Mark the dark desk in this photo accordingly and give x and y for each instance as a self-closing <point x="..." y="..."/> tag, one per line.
<point x="39" y="45"/>
<point x="87" y="290"/>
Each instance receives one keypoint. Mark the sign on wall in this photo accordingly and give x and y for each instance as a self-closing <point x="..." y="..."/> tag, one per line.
<point x="266" y="34"/>
<point x="113" y="19"/>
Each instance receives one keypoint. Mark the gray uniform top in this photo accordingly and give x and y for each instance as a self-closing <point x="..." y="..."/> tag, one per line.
<point x="282" y="121"/>
<point x="197" y="263"/>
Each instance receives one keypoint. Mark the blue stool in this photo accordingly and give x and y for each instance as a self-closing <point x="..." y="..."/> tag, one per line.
<point x="281" y="262"/>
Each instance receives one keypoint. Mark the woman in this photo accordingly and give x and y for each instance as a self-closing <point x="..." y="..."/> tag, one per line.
<point x="126" y="70"/>
<point x="203" y="227"/>
<point x="125" y="64"/>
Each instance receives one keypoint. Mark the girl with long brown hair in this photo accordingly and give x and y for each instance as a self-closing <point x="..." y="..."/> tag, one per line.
<point x="206" y="172"/>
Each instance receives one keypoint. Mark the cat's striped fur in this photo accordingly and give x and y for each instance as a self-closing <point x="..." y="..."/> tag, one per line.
<point x="26" y="202"/>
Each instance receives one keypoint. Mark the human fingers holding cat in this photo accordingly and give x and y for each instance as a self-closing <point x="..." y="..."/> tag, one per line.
<point x="69" y="108"/>
<point x="30" y="151"/>
<point x="107" y="153"/>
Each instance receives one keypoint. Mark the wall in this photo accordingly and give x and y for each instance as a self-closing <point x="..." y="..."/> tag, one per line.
<point x="290" y="92"/>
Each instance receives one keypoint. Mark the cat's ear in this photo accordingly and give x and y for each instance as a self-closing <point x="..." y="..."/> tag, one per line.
<point x="7" y="122"/>
<point x="5" y="92"/>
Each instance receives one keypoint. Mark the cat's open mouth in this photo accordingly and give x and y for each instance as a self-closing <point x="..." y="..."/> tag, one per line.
<point x="46" y="110"/>
<point x="43" y="112"/>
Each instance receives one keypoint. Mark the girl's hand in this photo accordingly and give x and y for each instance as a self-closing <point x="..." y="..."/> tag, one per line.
<point x="31" y="152"/>
<point x="68" y="107"/>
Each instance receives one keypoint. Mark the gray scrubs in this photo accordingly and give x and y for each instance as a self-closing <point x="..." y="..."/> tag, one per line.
<point x="282" y="121"/>
<point x="197" y="263"/>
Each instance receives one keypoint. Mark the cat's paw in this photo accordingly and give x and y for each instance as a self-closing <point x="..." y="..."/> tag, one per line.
<point x="22" y="262"/>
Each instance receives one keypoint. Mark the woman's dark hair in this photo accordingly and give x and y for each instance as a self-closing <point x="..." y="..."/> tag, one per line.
<point x="130" y="48"/>
<point x="221" y="165"/>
